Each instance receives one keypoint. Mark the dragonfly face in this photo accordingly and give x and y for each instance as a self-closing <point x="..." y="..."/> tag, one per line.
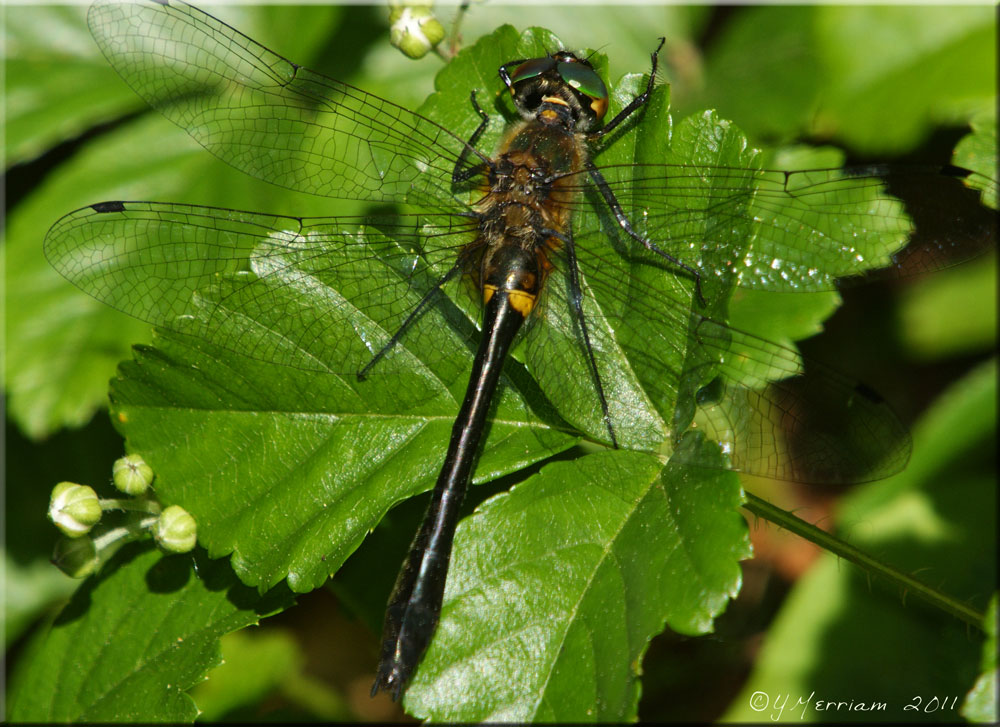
<point x="562" y="79"/>
<point x="622" y="347"/>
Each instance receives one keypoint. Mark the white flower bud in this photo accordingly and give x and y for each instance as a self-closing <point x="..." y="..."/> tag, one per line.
<point x="76" y="557"/>
<point x="132" y="475"/>
<point x="414" y="29"/>
<point x="74" y="508"/>
<point x="175" y="531"/>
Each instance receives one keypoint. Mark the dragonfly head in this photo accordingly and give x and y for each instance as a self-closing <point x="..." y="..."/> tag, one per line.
<point x="560" y="84"/>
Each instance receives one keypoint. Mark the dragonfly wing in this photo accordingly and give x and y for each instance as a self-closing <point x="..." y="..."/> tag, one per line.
<point x="777" y="415"/>
<point x="267" y="116"/>
<point x="773" y="414"/>
<point x="321" y="294"/>
<point x="811" y="229"/>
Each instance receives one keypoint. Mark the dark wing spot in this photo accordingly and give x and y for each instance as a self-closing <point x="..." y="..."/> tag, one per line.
<point x="108" y="207"/>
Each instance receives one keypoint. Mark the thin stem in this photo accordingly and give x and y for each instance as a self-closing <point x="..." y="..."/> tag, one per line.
<point x="866" y="561"/>
<point x="123" y="533"/>
<point x="130" y="504"/>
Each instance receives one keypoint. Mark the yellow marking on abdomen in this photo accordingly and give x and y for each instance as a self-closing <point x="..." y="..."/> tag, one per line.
<point x="520" y="301"/>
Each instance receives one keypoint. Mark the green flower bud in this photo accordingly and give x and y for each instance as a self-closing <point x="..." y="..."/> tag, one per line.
<point x="175" y="531"/>
<point x="74" y="508"/>
<point x="76" y="557"/>
<point x="414" y="29"/>
<point x="132" y="475"/>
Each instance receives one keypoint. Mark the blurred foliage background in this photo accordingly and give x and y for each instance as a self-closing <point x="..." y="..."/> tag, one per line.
<point x="896" y="84"/>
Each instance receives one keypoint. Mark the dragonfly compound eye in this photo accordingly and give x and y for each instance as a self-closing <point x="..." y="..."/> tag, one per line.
<point x="531" y="69"/>
<point x="584" y="80"/>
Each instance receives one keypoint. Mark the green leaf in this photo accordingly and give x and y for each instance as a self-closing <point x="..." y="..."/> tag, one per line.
<point x="764" y="313"/>
<point x="133" y="639"/>
<point x="978" y="151"/>
<point x="56" y="83"/>
<point x="948" y="53"/>
<point x="27" y="590"/>
<point x="558" y="585"/>
<point x="259" y="664"/>
<point x="289" y="470"/>
<point x="839" y="636"/>
<point x="981" y="702"/>
<point x="945" y="315"/>
<point x="786" y="72"/>
<point x="762" y="70"/>
<point x="63" y="345"/>
<point x="254" y="664"/>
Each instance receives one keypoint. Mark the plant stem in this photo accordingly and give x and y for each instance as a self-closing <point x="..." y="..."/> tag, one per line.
<point x="866" y="561"/>
<point x="130" y="504"/>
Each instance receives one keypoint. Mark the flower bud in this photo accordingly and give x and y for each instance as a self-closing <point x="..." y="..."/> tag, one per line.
<point x="74" y="508"/>
<point x="414" y="29"/>
<point x="76" y="557"/>
<point x="132" y="475"/>
<point x="175" y="531"/>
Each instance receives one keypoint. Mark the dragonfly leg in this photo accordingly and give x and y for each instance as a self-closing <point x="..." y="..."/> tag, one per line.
<point x="626" y="225"/>
<point x="636" y="103"/>
<point x="576" y="303"/>
<point x="462" y="173"/>
<point x="505" y="76"/>
<point x="414" y="314"/>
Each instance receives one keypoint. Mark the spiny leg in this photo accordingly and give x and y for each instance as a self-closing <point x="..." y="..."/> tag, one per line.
<point x="576" y="303"/>
<point x="460" y="173"/>
<point x="636" y="103"/>
<point x="414" y="314"/>
<point x="626" y="225"/>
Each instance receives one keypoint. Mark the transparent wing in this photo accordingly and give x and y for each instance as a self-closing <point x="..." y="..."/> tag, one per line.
<point x="774" y="415"/>
<point x="267" y="116"/>
<point x="811" y="229"/>
<point x="326" y="294"/>
<point x="315" y="294"/>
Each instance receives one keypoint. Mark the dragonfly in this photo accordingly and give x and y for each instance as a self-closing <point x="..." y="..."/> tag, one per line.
<point x="547" y="241"/>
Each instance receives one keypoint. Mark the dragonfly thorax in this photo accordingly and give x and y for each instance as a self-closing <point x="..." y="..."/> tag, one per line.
<point x="518" y="178"/>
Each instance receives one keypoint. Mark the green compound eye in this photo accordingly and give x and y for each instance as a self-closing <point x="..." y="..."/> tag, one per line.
<point x="531" y="69"/>
<point x="583" y="79"/>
